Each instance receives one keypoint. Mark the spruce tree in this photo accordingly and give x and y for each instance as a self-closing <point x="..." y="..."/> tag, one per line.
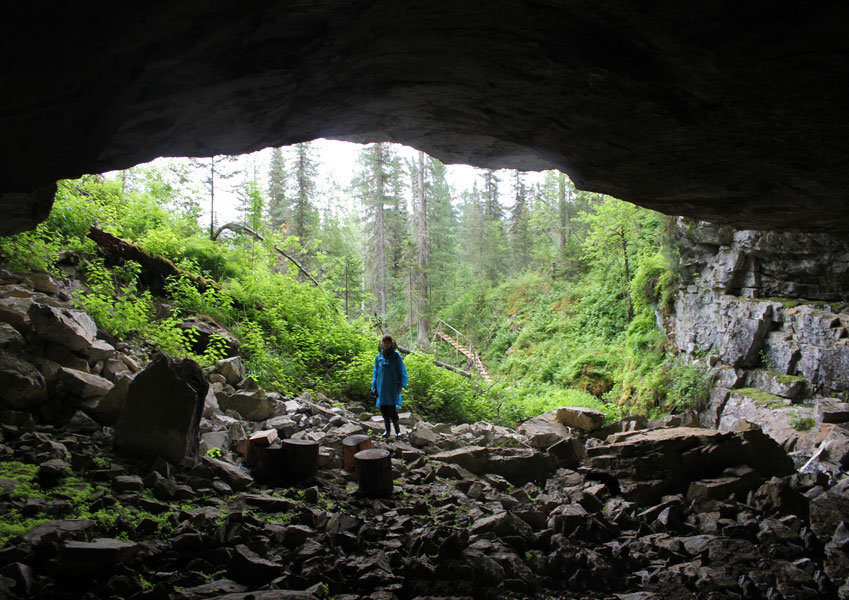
<point x="277" y="213"/>
<point x="374" y="187"/>
<point x="304" y="216"/>
<point x="520" y="237"/>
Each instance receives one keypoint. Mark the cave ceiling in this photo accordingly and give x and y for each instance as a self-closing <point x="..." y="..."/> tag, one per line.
<point x="733" y="112"/>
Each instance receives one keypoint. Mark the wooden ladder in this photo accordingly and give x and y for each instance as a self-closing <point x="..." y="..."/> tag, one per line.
<point x="474" y="358"/>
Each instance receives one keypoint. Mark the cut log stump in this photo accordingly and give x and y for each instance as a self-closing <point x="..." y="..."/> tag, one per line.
<point x="353" y="444"/>
<point x="374" y="471"/>
<point x="301" y="459"/>
<point x="268" y="463"/>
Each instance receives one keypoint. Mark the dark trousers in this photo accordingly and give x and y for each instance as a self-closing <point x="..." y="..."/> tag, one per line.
<point x="390" y="414"/>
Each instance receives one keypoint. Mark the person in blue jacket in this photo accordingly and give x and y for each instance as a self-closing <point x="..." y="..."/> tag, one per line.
<point x="387" y="381"/>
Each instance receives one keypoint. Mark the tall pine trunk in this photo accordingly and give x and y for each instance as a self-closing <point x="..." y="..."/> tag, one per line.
<point x="421" y="244"/>
<point x="381" y="231"/>
<point x="212" y="197"/>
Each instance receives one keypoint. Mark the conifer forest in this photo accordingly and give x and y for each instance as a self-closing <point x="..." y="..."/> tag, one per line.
<point x="514" y="296"/>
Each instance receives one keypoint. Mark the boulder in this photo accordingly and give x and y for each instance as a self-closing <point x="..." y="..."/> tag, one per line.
<point x="82" y="423"/>
<point x="829" y="508"/>
<point x="778" y="384"/>
<point x="83" y="559"/>
<point x="85" y="388"/>
<point x="235" y="477"/>
<point x="205" y="327"/>
<point x="792" y="426"/>
<point x="59" y="531"/>
<point x="520" y="466"/>
<point x="163" y="409"/>
<point x="284" y="425"/>
<point x="21" y="384"/>
<point x="10" y="338"/>
<point x="423" y="436"/>
<point x="43" y="282"/>
<point x="543" y="430"/>
<point x="109" y="408"/>
<point x="210" y="403"/>
<point x="471" y="458"/>
<point x="578" y="417"/>
<point x="248" y="567"/>
<point x="214" y="439"/>
<point x="631" y="423"/>
<point x="568" y="452"/>
<point x="99" y="350"/>
<point x="252" y="405"/>
<point x="231" y="368"/>
<point x="71" y="328"/>
<point x="503" y="525"/>
<point x="15" y="312"/>
<point x="656" y="462"/>
<point x="831" y="410"/>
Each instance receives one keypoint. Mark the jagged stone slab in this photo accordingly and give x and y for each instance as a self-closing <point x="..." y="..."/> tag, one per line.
<point x="67" y="327"/>
<point x="83" y="386"/>
<point x="162" y="410"/>
<point x="778" y="384"/>
<point x="58" y="531"/>
<point x="21" y="384"/>
<point x="775" y="416"/>
<point x="655" y="462"/>
<point x="543" y="430"/>
<point x="10" y="338"/>
<point x="586" y="419"/>
<point x="15" y="312"/>
<point x="233" y="475"/>
<point x="521" y="466"/>
<point x="231" y="368"/>
<point x="88" y="558"/>
<point x="831" y="410"/>
<point x="252" y="405"/>
<point x="471" y="458"/>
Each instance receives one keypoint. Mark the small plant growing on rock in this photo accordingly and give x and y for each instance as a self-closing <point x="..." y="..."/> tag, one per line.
<point x="214" y="453"/>
<point x="800" y="423"/>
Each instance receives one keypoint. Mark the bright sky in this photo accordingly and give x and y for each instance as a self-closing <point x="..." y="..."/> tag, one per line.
<point x="337" y="163"/>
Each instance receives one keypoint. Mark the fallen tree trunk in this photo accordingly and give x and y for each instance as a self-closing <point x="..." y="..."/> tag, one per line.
<point x="155" y="270"/>
<point x="239" y="228"/>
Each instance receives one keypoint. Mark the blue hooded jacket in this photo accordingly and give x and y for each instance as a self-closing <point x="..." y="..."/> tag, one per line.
<point x="389" y="375"/>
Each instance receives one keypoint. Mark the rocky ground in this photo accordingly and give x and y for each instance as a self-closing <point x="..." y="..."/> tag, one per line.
<point x="124" y="477"/>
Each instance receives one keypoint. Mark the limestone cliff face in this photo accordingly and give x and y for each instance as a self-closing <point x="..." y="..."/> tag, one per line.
<point x="769" y="310"/>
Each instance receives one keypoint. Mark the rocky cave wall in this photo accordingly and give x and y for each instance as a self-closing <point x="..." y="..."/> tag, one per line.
<point x="770" y="312"/>
<point x="729" y="112"/>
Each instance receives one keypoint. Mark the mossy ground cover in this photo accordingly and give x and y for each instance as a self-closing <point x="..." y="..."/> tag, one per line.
<point x="31" y="502"/>
<point x="762" y="398"/>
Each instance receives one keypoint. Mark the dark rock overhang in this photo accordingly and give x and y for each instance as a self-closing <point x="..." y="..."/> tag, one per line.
<point x="729" y="112"/>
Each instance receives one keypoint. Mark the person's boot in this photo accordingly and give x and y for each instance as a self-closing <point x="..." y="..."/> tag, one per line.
<point x="385" y="434"/>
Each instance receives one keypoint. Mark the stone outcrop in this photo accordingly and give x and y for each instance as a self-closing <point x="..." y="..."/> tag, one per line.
<point x="605" y="93"/>
<point x="769" y="311"/>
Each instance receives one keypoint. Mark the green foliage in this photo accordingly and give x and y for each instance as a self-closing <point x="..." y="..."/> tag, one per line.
<point x="214" y="453"/>
<point x="187" y="298"/>
<point x="574" y="324"/>
<point x="800" y="423"/>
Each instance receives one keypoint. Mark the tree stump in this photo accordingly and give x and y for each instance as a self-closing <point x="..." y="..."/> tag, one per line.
<point x="353" y="444"/>
<point x="268" y="463"/>
<point x="374" y="470"/>
<point x="301" y="459"/>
